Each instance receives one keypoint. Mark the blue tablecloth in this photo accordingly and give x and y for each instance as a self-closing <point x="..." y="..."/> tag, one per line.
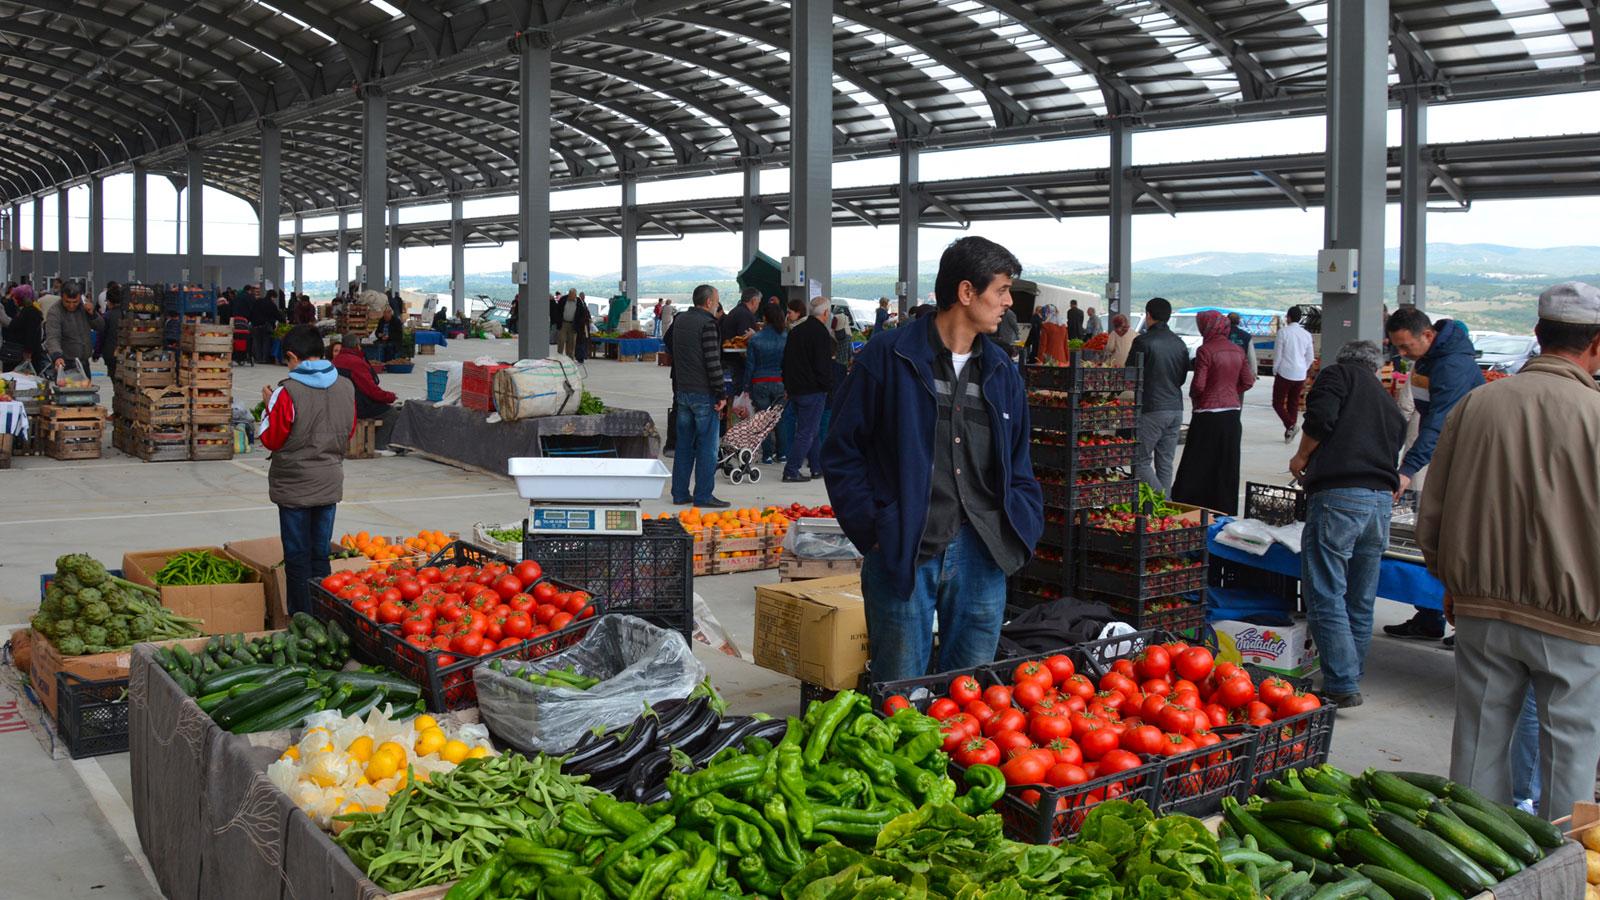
<point x="425" y="337"/>
<point x="1398" y="580"/>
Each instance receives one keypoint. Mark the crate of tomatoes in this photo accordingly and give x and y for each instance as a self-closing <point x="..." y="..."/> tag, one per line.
<point x="435" y="623"/>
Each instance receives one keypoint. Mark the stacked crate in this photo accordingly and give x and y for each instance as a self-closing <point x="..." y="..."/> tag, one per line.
<point x="150" y="413"/>
<point x="1152" y="570"/>
<point x="205" y="372"/>
<point x="71" y="432"/>
<point x="1085" y="419"/>
<point x="355" y="317"/>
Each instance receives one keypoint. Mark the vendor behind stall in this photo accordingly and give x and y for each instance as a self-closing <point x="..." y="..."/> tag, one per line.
<point x="390" y="334"/>
<point x="372" y="401"/>
<point x="69" y="328"/>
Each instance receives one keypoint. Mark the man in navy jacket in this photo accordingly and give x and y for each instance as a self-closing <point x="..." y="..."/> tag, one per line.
<point x="928" y="471"/>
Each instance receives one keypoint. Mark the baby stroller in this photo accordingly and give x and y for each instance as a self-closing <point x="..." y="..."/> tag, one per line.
<point x="741" y="445"/>
<point x="241" y="341"/>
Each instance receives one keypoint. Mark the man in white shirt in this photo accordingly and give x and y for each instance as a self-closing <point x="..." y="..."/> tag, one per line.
<point x="1291" y="360"/>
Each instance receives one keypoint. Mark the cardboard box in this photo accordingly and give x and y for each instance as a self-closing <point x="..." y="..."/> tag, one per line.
<point x="1284" y="651"/>
<point x="265" y="556"/>
<point x="794" y="568"/>
<point x="224" y="608"/>
<point x="815" y="631"/>
<point x="47" y="661"/>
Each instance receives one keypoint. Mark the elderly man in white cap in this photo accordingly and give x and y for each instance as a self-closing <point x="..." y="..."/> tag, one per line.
<point x="1507" y="522"/>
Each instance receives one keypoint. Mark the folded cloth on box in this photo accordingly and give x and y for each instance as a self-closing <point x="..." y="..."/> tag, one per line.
<point x="1256" y="537"/>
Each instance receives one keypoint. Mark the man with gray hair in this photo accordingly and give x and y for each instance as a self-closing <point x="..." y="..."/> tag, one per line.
<point x="807" y="379"/>
<point x="1348" y="463"/>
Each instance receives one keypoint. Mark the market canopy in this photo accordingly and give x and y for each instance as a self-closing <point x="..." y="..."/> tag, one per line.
<point x="658" y="88"/>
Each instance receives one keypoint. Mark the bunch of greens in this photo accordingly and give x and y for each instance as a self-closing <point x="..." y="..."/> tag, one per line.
<point x="200" y="567"/>
<point x="88" y="610"/>
<point x="1151" y="502"/>
<point x="512" y="535"/>
<point x="590" y="405"/>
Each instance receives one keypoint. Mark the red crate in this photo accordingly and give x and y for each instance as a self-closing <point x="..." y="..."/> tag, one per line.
<point x="477" y="401"/>
<point x="476" y="379"/>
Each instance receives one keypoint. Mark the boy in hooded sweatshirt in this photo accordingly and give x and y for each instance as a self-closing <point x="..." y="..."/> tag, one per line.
<point x="310" y="417"/>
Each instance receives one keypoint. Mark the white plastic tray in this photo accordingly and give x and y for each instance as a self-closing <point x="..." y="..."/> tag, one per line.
<point x="540" y="478"/>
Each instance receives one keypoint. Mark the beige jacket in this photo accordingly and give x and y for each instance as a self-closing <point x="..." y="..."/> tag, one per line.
<point x="1507" y="520"/>
<point x="1118" y="346"/>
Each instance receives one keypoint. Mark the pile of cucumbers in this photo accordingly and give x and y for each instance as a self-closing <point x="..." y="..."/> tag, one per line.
<point x="277" y="680"/>
<point x="1322" y="834"/>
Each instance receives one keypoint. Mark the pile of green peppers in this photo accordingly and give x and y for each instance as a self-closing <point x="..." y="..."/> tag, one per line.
<point x="748" y="822"/>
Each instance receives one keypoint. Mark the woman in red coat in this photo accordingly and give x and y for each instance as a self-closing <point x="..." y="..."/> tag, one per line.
<point x="1208" y="476"/>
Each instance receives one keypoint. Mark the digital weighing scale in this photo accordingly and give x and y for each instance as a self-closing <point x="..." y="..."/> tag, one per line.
<point x="587" y="496"/>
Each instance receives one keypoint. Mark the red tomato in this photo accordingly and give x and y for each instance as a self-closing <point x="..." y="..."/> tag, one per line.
<point x="1097" y="742"/>
<point x="390" y="611"/>
<point x="441" y="641"/>
<point x="469" y="644"/>
<point x="419" y="641"/>
<point x="971" y="726"/>
<point x="1123" y="667"/>
<point x="1007" y="719"/>
<point x="518" y="625"/>
<point x="1065" y="775"/>
<point x="1074" y="703"/>
<point x="1010" y="742"/>
<point x="1297" y="703"/>
<point x="1034" y="672"/>
<point x="997" y="696"/>
<point x="544" y="612"/>
<point x="943" y="708"/>
<point x="453" y="612"/>
<point x="1066" y="750"/>
<point x="521" y="602"/>
<point x="505" y="643"/>
<point x="1028" y="694"/>
<point x="964" y="689"/>
<point x="1177" y="719"/>
<point x="1026" y="768"/>
<point x="1152" y="706"/>
<point x="979" y="710"/>
<point x="1080" y="686"/>
<point x="1081" y="723"/>
<point x="1159" y="686"/>
<point x="1145" y="739"/>
<point x="540" y="631"/>
<point x="409" y="588"/>
<point x="429" y="574"/>
<point x="483" y="577"/>
<point x="977" y="752"/>
<point x="1153" y="662"/>
<point x="416" y="625"/>
<point x="528" y="571"/>
<point x="1224" y="670"/>
<point x="544" y="591"/>
<point x="335" y="583"/>
<point x="1194" y="664"/>
<point x="1274" y="690"/>
<point x="1061" y="667"/>
<point x="1175" y="744"/>
<point x="508" y="586"/>
<point x="1234" y="692"/>
<point x="576" y="602"/>
<point x="366" y="607"/>
<point x="1255" y="709"/>
<point x="1044" y="729"/>
<point x="560" y="620"/>
<point x="1190" y="699"/>
<point x="1217" y="715"/>
<point x="1118" y="761"/>
<point x="894" y="704"/>
<point x="390" y="595"/>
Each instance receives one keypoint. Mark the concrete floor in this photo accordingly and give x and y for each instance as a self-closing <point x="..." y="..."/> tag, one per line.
<point x="70" y="820"/>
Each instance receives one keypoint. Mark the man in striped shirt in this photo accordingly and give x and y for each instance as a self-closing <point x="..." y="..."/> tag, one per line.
<point x="696" y="352"/>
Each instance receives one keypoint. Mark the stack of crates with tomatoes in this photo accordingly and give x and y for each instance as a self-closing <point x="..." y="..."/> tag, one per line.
<point x="1085" y="419"/>
<point x="435" y="623"/>
<point x="1147" y="561"/>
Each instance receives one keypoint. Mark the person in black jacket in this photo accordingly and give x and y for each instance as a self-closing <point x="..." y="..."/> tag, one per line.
<point x="108" y="337"/>
<point x="807" y="379"/>
<point x="24" y="337"/>
<point x="264" y="317"/>
<point x="697" y="398"/>
<point x="1074" y="322"/>
<point x="1166" y="367"/>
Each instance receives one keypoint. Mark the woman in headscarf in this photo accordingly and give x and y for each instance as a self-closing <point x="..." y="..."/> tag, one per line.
<point x="1208" y="476"/>
<point x="1053" y="339"/>
<point x="1119" y="340"/>
<point x="23" y="337"/>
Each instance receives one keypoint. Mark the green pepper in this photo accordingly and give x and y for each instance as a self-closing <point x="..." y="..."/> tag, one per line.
<point x="881" y="770"/>
<point x="621" y="818"/>
<point x="691" y="883"/>
<point x="917" y="749"/>
<point x="909" y="721"/>
<point x="571" y="887"/>
<point x="628" y="867"/>
<point x="736" y="772"/>
<point x="474" y="885"/>
<point x="525" y="851"/>
<point x="578" y="820"/>
<point x="520" y="881"/>
<point x="638" y="841"/>
<point x="771" y="846"/>
<point x="657" y="875"/>
<point x="753" y="873"/>
<point x="616" y="883"/>
<point x="828" y="721"/>
<point x="777" y="813"/>
<point x="985" y="786"/>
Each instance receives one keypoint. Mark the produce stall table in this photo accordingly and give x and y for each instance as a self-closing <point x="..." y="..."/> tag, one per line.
<point x="616" y="348"/>
<point x="427" y="337"/>
<point x="457" y="435"/>
<point x="1401" y="581"/>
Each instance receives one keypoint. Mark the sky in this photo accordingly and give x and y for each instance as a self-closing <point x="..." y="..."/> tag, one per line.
<point x="231" y="225"/>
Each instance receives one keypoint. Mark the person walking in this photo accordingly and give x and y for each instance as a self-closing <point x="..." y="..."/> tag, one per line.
<point x="880" y="316"/>
<point x="808" y="370"/>
<point x="1165" y="360"/>
<point x="1208" y="476"/>
<point x="697" y="397"/>
<point x="1291" y="363"/>
<point x="1347" y="462"/>
<point x="1239" y="337"/>
<point x="1091" y="324"/>
<point x="107" y="351"/>
<point x="310" y="417"/>
<point x="928" y="470"/>
<point x="1074" y="321"/>
<point x="1446" y="370"/>
<point x="1030" y="344"/>
<point x="1119" y="341"/>
<point x="1507" y="523"/>
<point x="69" y="328"/>
<point x="567" y="335"/>
<point x="764" y="363"/>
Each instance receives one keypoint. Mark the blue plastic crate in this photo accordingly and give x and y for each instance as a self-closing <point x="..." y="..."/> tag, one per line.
<point x="437" y="382"/>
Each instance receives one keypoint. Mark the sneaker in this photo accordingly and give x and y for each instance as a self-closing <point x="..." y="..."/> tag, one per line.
<point x="1345" y="701"/>
<point x="1410" y="630"/>
<point x="816" y="476"/>
<point x="766" y="460"/>
<point x="780" y="458"/>
<point x="795" y="479"/>
<point x="714" y="503"/>
<point x="684" y="502"/>
<point x="1450" y="643"/>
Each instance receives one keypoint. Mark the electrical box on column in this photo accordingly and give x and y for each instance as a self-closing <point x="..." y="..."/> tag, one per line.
<point x="1338" y="271"/>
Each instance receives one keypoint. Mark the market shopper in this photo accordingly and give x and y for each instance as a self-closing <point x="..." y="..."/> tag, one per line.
<point x="1208" y="476"/>
<point x="1292" y="353"/>
<point x="808" y="371"/>
<point x="1241" y="338"/>
<point x="1347" y="463"/>
<point x="1074" y="321"/>
<point x="22" y="339"/>
<point x="1165" y="359"/>
<point x="570" y="309"/>
<point x="1091" y="324"/>
<point x="928" y="470"/>
<point x="880" y="316"/>
<point x="1119" y="341"/>
<point x="372" y="401"/>
<point x="264" y="318"/>
<point x="697" y="397"/>
<point x="1507" y="523"/>
<point x="764" y="363"/>
<point x="69" y="328"/>
<point x="107" y="336"/>
<point x="739" y="322"/>
<point x="1446" y="369"/>
<point x="309" y="420"/>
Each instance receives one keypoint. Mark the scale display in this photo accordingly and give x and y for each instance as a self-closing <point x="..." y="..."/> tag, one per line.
<point x="599" y="519"/>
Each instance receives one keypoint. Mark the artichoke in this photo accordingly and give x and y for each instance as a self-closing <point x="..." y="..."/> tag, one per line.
<point x="88" y="595"/>
<point x="69" y="607"/>
<point x="139" y="628"/>
<point x="90" y="571"/>
<point x="71" y="646"/>
<point x="63" y="627"/>
<point x="117" y="636"/>
<point x="94" y="613"/>
<point x="68" y="583"/>
<point x="94" y="635"/>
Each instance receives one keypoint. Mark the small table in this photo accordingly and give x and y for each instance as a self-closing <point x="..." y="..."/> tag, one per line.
<point x="1401" y="581"/>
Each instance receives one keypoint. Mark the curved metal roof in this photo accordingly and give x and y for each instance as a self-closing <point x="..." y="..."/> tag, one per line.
<point x="657" y="88"/>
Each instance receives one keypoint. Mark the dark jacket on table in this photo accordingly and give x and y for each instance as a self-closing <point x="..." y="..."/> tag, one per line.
<point x="1360" y="430"/>
<point x="371" y="400"/>
<point x="808" y="359"/>
<point x="1166" y="365"/>
<point x="696" y="353"/>
<point x="1444" y="375"/>
<point x="878" y="458"/>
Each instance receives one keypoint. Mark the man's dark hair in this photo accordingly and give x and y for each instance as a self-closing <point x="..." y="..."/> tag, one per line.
<point x="798" y="307"/>
<point x="71" y="288"/>
<point x="1564" y="337"/>
<point x="972" y="259"/>
<point x="304" y="341"/>
<point x="1293" y="314"/>
<point x="1410" y="319"/>
<point x="702" y="294"/>
<point x="1073" y="304"/>
<point x="750" y="293"/>
<point x="1158" y="309"/>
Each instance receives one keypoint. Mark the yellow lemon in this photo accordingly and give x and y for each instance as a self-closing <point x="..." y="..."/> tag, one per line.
<point x="360" y="749"/>
<point x="375" y="807"/>
<point x="478" y="753"/>
<point x="454" y="752"/>
<point x="351" y="807"/>
<point x="397" y="750"/>
<point x="430" y="741"/>
<point x="383" y="766"/>
<point x="423" y="723"/>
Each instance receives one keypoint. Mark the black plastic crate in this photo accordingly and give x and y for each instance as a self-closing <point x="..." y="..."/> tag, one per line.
<point x="810" y="693"/>
<point x="1293" y="743"/>
<point x="1274" y="504"/>
<point x="92" y="716"/>
<point x="1078" y="377"/>
<point x="1074" y="419"/>
<point x="1096" y="534"/>
<point x="1080" y="457"/>
<point x="1105" y="651"/>
<point x="921" y="690"/>
<point x="1195" y="783"/>
<point x="1066" y="497"/>
<point x="650" y="575"/>
<point x="1179" y="614"/>
<point x="1047" y="815"/>
<point x="1240" y="577"/>
<point x="1026" y="592"/>
<point x="1098" y="574"/>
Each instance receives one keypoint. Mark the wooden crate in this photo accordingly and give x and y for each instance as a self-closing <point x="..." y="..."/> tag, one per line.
<point x="5" y="450"/>
<point x="364" y="440"/>
<point x="160" y="444"/>
<point x="205" y="371"/>
<point x="74" y="444"/>
<point x="133" y="332"/>
<point x="211" y="442"/>
<point x="164" y="406"/>
<point x="209" y="406"/>
<point x="148" y="368"/>
<point x="199" y="337"/>
<point x="793" y="568"/>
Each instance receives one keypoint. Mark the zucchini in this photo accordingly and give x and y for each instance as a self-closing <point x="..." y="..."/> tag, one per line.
<point x="1281" y="887"/>
<point x="1309" y="812"/>
<point x="398" y="689"/>
<point x="1302" y="890"/>
<point x="1433" y="784"/>
<point x="1502" y="831"/>
<point x="1320" y="871"/>
<point x="1366" y="847"/>
<point x="298" y="623"/>
<point x="337" y="634"/>
<point x="186" y="684"/>
<point x="240" y="708"/>
<point x="1343" y="890"/>
<point x="234" y="676"/>
<point x="291" y="651"/>
<point x="278" y="659"/>
<point x="1398" y="886"/>
<point x="287" y="714"/>
<point x="181" y="656"/>
<point x="361" y="704"/>
<point x="1441" y="858"/>
<point x="1388" y="786"/>
<point x="1356" y="815"/>
<point x="1470" y="842"/>
<point x="1247" y="824"/>
<point x="1308" y="839"/>
<point x="317" y="634"/>
<point x="1543" y="833"/>
<point x="212" y="701"/>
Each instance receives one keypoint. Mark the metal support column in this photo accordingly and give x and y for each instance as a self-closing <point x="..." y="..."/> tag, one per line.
<point x="458" y="259"/>
<point x="14" y="255"/>
<point x="533" y="189"/>
<point x="271" y="197"/>
<point x="1414" y="178"/>
<point x="750" y="236"/>
<point x="97" y="236"/>
<point x="811" y="118"/>
<point x="1119" y="278"/>
<point x="374" y="184"/>
<point x="910" y="221"/>
<point x="1358" y="102"/>
<point x="344" y="253"/>
<point x="197" y="219"/>
<point x="63" y="251"/>
<point x="141" y="225"/>
<point x="394" y="249"/>
<point x="41" y="284"/>
<point x="300" y="255"/>
<point x="630" y="243"/>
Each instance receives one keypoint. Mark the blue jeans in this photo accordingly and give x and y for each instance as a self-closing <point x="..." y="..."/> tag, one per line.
<point x="1347" y="530"/>
<point x="306" y="532"/>
<point x="765" y="395"/>
<point x="962" y="587"/>
<point x="807" y="446"/>
<point x="1525" y="752"/>
<point x="696" y="452"/>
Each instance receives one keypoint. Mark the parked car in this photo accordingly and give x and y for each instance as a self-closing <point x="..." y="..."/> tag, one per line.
<point x="1506" y="353"/>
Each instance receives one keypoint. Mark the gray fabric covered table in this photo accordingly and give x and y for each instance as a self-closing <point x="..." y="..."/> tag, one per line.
<point x="458" y="434"/>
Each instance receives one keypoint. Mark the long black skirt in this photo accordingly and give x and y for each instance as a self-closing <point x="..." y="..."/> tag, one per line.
<point x="1208" y="476"/>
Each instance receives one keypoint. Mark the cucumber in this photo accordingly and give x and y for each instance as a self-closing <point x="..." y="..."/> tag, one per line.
<point x="1356" y="815"/>
<point x="1283" y="790"/>
<point x="277" y="642"/>
<point x="1388" y="786"/>
<point x="361" y="704"/>
<point x="1343" y="890"/>
<point x="1501" y="830"/>
<point x="212" y="701"/>
<point x="278" y="659"/>
<point x="1441" y="858"/>
<point x="1309" y="812"/>
<point x="181" y="656"/>
<point x="1320" y="871"/>
<point x="240" y="708"/>
<point x="1543" y="833"/>
<point x="291" y="651"/>
<point x="186" y="684"/>
<point x="298" y="623"/>
<point x="337" y="634"/>
<point x="1300" y="891"/>
<point x="317" y="634"/>
<point x="1471" y="842"/>
<point x="1433" y="784"/>
<point x="232" y="677"/>
<point x="287" y="714"/>
<point x="1366" y="847"/>
<point x="1281" y="888"/>
<point x="1308" y="839"/>
<point x="398" y="689"/>
<point x="1246" y="824"/>
<point x="1398" y="886"/>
